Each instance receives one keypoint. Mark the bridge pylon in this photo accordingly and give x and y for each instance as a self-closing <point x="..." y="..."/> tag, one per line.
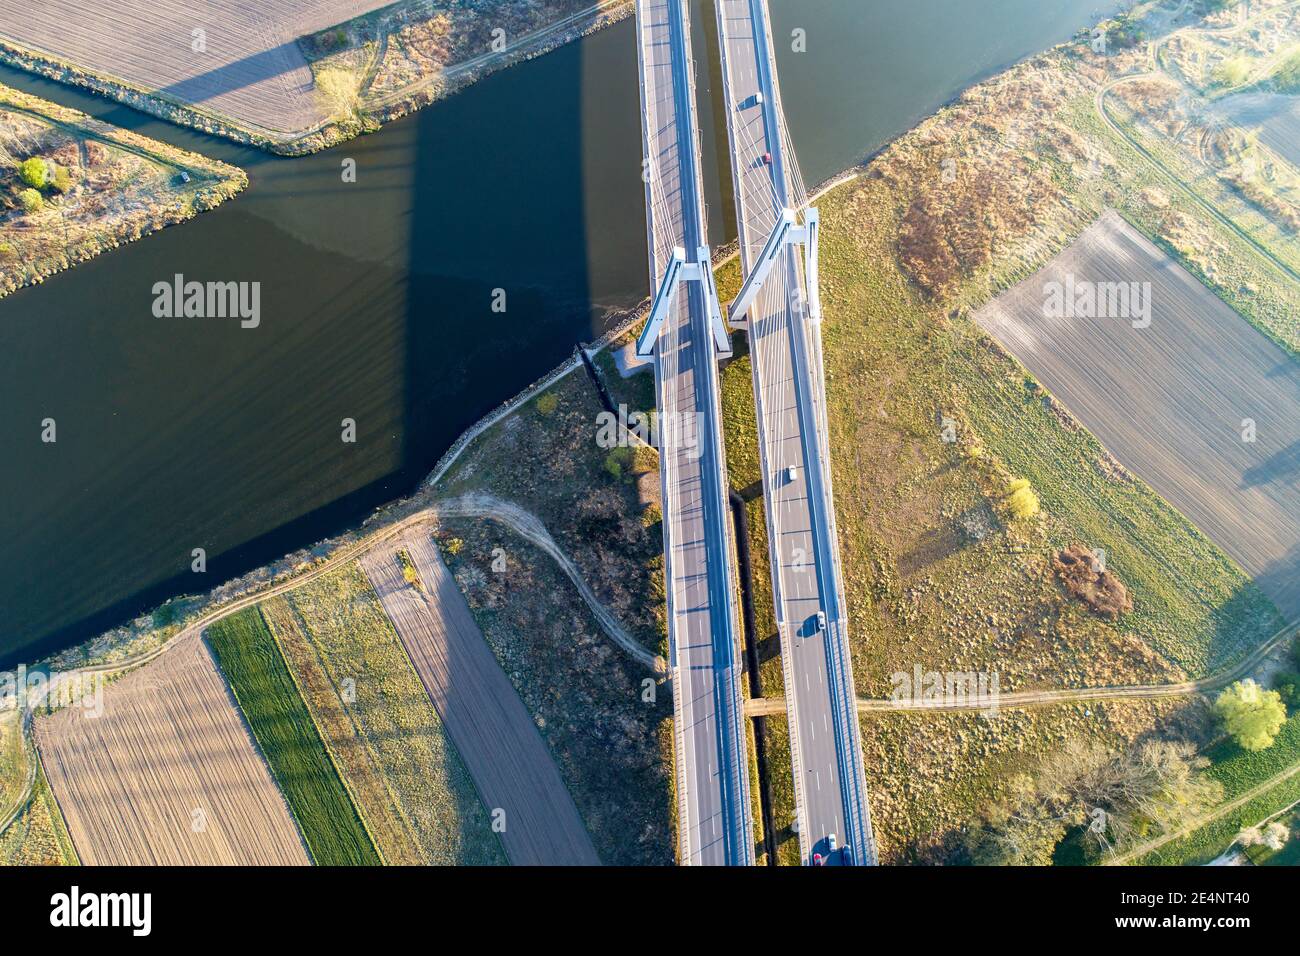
<point x="678" y="271"/>
<point x="786" y="232"/>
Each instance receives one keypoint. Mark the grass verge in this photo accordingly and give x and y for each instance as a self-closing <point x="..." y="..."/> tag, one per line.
<point x="38" y="837"/>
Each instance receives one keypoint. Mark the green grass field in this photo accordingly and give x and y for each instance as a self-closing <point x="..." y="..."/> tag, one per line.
<point x="38" y="836"/>
<point x="1289" y="855"/>
<point x="1239" y="771"/>
<point x="253" y="666"/>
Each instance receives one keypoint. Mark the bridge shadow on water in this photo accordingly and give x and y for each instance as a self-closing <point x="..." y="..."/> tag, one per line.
<point x="524" y="190"/>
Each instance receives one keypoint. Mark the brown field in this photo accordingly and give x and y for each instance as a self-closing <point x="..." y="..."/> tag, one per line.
<point x="1281" y="132"/>
<point x="252" y="71"/>
<point x="284" y="74"/>
<point x="1171" y="400"/>
<point x="168" y="774"/>
<point x="391" y="750"/>
<point x="512" y="768"/>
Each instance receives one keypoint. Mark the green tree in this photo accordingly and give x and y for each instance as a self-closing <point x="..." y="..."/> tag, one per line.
<point x="1021" y="500"/>
<point x="1252" y="715"/>
<point x="1287" y="77"/>
<point x="1110" y="800"/>
<point x="1287" y="685"/>
<point x="619" y="460"/>
<point x="33" y="172"/>
<point x="31" y="200"/>
<point x="1232" y="73"/>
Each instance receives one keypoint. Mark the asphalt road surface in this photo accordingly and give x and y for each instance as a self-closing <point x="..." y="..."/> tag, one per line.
<point x="712" y="781"/>
<point x="785" y="348"/>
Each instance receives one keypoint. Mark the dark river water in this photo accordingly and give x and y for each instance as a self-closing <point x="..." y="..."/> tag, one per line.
<point x="376" y="300"/>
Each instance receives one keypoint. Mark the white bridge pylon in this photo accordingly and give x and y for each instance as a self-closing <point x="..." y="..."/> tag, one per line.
<point x="678" y="271"/>
<point x="787" y="232"/>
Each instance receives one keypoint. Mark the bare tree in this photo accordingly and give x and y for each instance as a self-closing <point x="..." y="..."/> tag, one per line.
<point x="1115" y="799"/>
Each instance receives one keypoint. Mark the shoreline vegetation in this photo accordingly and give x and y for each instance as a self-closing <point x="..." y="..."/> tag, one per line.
<point x="944" y="572"/>
<point x="72" y="187"/>
<point x="901" y="211"/>
<point x="369" y="70"/>
<point x="386" y="64"/>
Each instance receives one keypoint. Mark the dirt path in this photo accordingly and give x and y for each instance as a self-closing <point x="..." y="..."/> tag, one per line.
<point x="512" y="767"/>
<point x="1159" y="73"/>
<point x="1151" y="845"/>
<point x="769" y="706"/>
<point x="344" y="555"/>
<point x="529" y="527"/>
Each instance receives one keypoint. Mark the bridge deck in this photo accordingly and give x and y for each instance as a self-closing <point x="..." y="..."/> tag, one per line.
<point x="712" y="772"/>
<point x="789" y="394"/>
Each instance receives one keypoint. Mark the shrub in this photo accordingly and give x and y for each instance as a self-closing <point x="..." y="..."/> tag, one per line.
<point x="1080" y="572"/>
<point x="62" y="180"/>
<point x="31" y="200"/>
<point x="1021" y="500"/>
<point x="644" y="460"/>
<point x="1287" y="77"/>
<point x="1231" y="73"/>
<point x="547" y="403"/>
<point x="619" y="460"/>
<point x="165" y="614"/>
<point x="340" y="89"/>
<point x="33" y="172"/>
<point x="1274" y="836"/>
<point x="1250" y="714"/>
<point x="454" y="546"/>
<point x="409" y="574"/>
<point x="1155" y="787"/>
<point x="1124" y="33"/>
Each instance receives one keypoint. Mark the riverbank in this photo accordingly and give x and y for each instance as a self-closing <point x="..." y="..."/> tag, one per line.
<point x="541" y="626"/>
<point x="881" y="300"/>
<point x="291" y="82"/>
<point x="314" y="242"/>
<point x="385" y="65"/>
<point x="74" y="187"/>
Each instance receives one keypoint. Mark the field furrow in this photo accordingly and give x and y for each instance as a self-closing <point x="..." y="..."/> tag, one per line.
<point x="168" y="773"/>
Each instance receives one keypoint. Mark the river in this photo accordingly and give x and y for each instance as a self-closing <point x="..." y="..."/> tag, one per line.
<point x="377" y="299"/>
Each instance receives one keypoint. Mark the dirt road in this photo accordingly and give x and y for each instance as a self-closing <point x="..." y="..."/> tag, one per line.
<point x="514" y="772"/>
